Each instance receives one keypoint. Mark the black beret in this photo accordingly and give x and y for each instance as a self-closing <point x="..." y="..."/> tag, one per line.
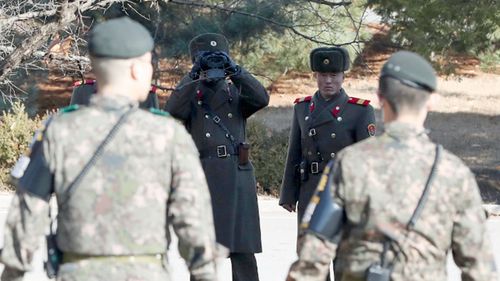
<point x="120" y="38"/>
<point x="411" y="69"/>
<point x="210" y="42"/>
<point x="333" y="59"/>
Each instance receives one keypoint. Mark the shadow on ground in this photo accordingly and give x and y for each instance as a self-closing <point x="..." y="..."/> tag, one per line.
<point x="475" y="138"/>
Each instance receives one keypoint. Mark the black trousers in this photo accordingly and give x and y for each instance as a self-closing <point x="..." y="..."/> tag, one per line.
<point x="243" y="266"/>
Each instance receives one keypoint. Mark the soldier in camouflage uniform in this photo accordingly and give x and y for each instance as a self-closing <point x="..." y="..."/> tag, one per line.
<point x="114" y="222"/>
<point x="376" y="186"/>
<point x="214" y="101"/>
<point x="322" y="125"/>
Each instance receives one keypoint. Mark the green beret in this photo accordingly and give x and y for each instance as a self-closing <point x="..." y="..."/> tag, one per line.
<point x="411" y="69"/>
<point x="210" y="42"/>
<point x="334" y="59"/>
<point x="120" y="38"/>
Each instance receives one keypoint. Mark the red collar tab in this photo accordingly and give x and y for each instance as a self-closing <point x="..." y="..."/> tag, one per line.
<point x="153" y="89"/>
<point x="199" y="95"/>
<point x="84" y="82"/>
<point x="358" y="101"/>
<point x="311" y="107"/>
<point x="336" y="110"/>
<point x="303" y="99"/>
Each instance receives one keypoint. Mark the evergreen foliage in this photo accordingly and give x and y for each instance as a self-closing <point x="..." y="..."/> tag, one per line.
<point x="442" y="28"/>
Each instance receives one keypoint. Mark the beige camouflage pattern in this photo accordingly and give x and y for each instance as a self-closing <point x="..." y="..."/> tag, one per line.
<point x="379" y="182"/>
<point x="148" y="179"/>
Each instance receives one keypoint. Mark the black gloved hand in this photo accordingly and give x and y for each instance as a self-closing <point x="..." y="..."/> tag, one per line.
<point x="230" y="67"/>
<point x="196" y="69"/>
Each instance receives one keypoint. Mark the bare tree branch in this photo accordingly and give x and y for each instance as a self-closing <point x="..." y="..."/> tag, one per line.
<point x="331" y="4"/>
<point x="26" y="16"/>
<point x="66" y="13"/>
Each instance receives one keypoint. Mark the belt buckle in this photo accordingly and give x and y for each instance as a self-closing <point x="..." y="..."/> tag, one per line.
<point x="312" y="132"/>
<point x="222" y="151"/>
<point x="216" y="119"/>
<point x="314" y="167"/>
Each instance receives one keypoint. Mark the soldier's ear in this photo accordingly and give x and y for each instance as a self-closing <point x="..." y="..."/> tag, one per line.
<point x="434" y="99"/>
<point x="379" y="98"/>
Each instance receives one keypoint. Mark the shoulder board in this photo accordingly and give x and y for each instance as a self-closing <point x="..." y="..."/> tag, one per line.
<point x="70" y="108"/>
<point x="86" y="82"/>
<point x="358" y="101"/>
<point x="303" y="99"/>
<point x="158" y="111"/>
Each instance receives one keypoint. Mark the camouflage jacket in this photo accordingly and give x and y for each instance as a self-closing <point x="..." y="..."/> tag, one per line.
<point x="148" y="178"/>
<point x="379" y="182"/>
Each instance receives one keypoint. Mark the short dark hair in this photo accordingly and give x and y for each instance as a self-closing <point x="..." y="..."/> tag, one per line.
<point x="402" y="97"/>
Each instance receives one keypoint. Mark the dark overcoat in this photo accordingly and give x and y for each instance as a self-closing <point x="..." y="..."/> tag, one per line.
<point x="204" y="107"/>
<point x="320" y="129"/>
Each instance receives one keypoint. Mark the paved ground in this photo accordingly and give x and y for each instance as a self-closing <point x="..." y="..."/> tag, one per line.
<point x="278" y="233"/>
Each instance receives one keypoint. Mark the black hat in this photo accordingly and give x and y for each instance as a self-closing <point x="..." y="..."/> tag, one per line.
<point x="210" y="42"/>
<point x="333" y="59"/>
<point x="411" y="69"/>
<point x="120" y="38"/>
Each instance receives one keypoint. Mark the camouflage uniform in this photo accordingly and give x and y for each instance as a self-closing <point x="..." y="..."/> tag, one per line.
<point x="115" y="226"/>
<point x="378" y="182"/>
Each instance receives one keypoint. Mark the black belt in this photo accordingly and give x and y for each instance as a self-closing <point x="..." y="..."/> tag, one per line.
<point x="219" y="151"/>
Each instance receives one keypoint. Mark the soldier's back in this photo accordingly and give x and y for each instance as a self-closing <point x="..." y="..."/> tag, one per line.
<point x="386" y="177"/>
<point x="116" y="218"/>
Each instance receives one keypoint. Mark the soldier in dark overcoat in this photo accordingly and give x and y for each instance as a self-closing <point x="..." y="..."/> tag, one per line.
<point x="214" y="101"/>
<point x="322" y="125"/>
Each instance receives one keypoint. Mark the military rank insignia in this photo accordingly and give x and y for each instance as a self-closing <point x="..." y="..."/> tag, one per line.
<point x="371" y="129"/>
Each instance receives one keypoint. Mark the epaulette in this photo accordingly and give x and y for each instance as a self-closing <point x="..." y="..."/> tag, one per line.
<point x="85" y="82"/>
<point x="70" y="108"/>
<point x="303" y="99"/>
<point x="158" y="111"/>
<point x="358" y="101"/>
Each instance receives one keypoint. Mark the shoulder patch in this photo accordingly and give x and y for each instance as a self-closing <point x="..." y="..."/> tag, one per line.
<point x="303" y="99"/>
<point x="371" y="129"/>
<point x="68" y="109"/>
<point x="158" y="111"/>
<point x="358" y="101"/>
<point x="85" y="82"/>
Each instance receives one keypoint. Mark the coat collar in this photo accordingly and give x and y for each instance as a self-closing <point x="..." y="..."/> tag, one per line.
<point x="328" y="110"/>
<point x="215" y="95"/>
